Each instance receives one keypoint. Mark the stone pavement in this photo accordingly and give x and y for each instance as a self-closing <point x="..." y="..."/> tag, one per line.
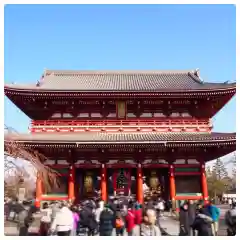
<point x="10" y="227"/>
<point x="170" y="225"/>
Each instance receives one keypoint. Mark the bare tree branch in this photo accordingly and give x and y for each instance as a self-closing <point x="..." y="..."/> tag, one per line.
<point x="14" y="152"/>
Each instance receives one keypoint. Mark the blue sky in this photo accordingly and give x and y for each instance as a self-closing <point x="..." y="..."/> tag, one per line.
<point x="120" y="37"/>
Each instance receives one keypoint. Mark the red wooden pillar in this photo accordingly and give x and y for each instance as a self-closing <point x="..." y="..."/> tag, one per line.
<point x="71" y="189"/>
<point x="204" y="184"/>
<point x="38" y="190"/>
<point x="172" y="183"/>
<point x="139" y="184"/>
<point x="104" y="183"/>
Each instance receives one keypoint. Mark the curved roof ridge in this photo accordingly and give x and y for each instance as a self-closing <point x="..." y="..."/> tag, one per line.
<point x="76" y="72"/>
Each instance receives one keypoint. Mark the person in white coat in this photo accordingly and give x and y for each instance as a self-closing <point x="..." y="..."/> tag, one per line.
<point x="99" y="211"/>
<point x="63" y="222"/>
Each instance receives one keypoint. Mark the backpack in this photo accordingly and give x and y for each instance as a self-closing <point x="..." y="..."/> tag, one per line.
<point x="119" y="223"/>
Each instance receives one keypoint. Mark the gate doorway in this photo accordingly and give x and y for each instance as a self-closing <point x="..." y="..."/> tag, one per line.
<point x="121" y="182"/>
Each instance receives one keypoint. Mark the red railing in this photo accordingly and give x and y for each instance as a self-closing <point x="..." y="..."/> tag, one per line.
<point x="163" y="125"/>
<point x="128" y="122"/>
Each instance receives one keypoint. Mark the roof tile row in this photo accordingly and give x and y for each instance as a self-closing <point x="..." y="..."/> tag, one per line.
<point x="93" y="137"/>
<point x="151" y="81"/>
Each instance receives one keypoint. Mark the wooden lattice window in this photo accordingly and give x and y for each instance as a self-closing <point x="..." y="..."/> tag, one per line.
<point x="131" y="115"/>
<point x="83" y="115"/>
<point x="56" y="115"/>
<point x="112" y="115"/>
<point x="96" y="115"/>
<point x="67" y="115"/>
<point x="185" y="114"/>
<point x="146" y="115"/>
<point x="175" y="114"/>
<point x="158" y="114"/>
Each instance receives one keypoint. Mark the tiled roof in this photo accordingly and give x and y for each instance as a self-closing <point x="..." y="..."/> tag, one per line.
<point x="150" y="81"/>
<point x="112" y="138"/>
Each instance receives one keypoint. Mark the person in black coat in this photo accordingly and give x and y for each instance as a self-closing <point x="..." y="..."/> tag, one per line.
<point x="87" y="219"/>
<point x="191" y="215"/>
<point x="203" y="223"/>
<point x="184" y="220"/>
<point x="107" y="222"/>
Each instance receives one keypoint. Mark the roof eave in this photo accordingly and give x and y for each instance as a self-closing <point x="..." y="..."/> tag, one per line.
<point x="165" y="143"/>
<point x="36" y="90"/>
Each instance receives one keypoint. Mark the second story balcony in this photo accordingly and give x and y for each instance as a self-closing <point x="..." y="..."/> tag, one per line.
<point x="160" y="125"/>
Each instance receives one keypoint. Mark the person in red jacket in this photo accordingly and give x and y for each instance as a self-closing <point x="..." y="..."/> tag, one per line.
<point x="130" y="220"/>
<point x="138" y="214"/>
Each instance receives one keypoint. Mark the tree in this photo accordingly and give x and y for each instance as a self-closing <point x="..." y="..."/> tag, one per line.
<point x="232" y="186"/>
<point x="232" y="177"/>
<point x="234" y="173"/>
<point x="218" y="180"/>
<point x="219" y="169"/>
<point x="15" y="153"/>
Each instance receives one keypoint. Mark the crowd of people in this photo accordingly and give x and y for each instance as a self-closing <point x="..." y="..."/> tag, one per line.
<point x="231" y="202"/>
<point x="91" y="218"/>
<point x="126" y="217"/>
<point x="203" y="220"/>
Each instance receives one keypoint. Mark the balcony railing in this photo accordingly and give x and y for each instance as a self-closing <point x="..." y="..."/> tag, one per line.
<point x="121" y="125"/>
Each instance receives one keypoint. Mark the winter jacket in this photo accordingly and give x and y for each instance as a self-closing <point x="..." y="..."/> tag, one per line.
<point x="98" y="211"/>
<point x="88" y="219"/>
<point x="55" y="210"/>
<point x="146" y="230"/>
<point x="107" y="223"/>
<point x="214" y="212"/>
<point x="138" y="216"/>
<point x="75" y="220"/>
<point x="63" y="221"/>
<point x="184" y="222"/>
<point x="230" y="217"/>
<point x="230" y="221"/>
<point x="46" y="215"/>
<point x="203" y="225"/>
<point x="25" y="218"/>
<point x="83" y="217"/>
<point x="130" y="220"/>
<point x="191" y="213"/>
